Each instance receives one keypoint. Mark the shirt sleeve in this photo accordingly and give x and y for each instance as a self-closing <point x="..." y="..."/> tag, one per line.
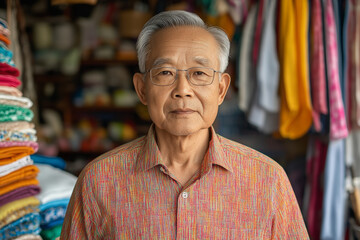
<point x="82" y="212"/>
<point x="287" y="222"/>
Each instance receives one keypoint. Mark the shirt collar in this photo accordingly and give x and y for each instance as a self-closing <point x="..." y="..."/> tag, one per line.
<point x="150" y="156"/>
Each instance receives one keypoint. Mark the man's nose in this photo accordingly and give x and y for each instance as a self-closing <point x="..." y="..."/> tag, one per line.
<point x="182" y="87"/>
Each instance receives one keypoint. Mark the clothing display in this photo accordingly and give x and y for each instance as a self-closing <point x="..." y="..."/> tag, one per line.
<point x="132" y="183"/>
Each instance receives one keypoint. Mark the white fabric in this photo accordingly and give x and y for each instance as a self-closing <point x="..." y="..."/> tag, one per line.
<point x="23" y="100"/>
<point x="8" y="168"/>
<point x="55" y="183"/>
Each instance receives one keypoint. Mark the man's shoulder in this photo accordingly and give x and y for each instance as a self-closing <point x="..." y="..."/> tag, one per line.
<point x="242" y="156"/>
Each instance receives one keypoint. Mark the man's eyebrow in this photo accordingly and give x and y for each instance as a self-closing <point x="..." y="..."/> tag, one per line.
<point x="161" y="61"/>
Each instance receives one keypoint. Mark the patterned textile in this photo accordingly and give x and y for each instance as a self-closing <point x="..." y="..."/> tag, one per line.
<point x="10" y="91"/>
<point x="15" y="113"/>
<point x="27" y="172"/>
<point x="17" y="136"/>
<point x="17" y="101"/>
<point x="11" y="154"/>
<point x="338" y="128"/>
<point x="52" y="214"/>
<point x="29" y="224"/>
<point x="6" y="69"/>
<point x="128" y="193"/>
<point x="13" y="166"/>
<point x="32" y="144"/>
<point x="19" y="193"/>
<point x="55" y="203"/>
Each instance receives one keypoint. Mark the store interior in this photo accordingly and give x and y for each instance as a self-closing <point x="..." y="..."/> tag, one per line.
<point x="294" y="96"/>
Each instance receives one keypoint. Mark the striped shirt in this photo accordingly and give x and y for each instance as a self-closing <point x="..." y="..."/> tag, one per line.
<point x="238" y="193"/>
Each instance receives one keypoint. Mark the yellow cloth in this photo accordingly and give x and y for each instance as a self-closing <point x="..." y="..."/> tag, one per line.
<point x="11" y="154"/>
<point x="295" y="107"/>
<point x="27" y="172"/>
<point x="225" y="22"/>
<point x="18" y="184"/>
<point x="8" y="210"/>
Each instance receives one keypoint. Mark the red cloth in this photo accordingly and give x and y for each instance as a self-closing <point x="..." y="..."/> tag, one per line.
<point x="10" y="81"/>
<point x="6" y="69"/>
<point x="258" y="30"/>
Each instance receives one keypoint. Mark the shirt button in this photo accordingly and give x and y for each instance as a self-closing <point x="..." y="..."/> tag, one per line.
<point x="185" y="195"/>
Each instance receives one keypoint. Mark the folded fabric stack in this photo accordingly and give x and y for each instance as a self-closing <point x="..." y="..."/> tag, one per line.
<point x="56" y="189"/>
<point x="19" y="208"/>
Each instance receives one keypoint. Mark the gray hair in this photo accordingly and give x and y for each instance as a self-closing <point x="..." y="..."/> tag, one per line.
<point x="179" y="18"/>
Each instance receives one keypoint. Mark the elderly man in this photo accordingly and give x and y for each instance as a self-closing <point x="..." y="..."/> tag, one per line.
<point x="182" y="180"/>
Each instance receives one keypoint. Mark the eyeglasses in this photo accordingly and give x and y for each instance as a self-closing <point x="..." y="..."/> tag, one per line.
<point x="198" y="76"/>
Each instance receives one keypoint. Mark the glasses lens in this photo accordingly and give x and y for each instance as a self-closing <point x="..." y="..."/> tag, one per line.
<point x="201" y="76"/>
<point x="163" y="76"/>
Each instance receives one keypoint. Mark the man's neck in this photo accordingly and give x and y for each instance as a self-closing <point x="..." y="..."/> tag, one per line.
<point x="183" y="155"/>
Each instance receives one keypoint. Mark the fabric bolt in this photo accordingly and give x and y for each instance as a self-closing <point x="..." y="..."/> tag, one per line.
<point x="338" y="126"/>
<point x="29" y="224"/>
<point x="128" y="193"/>
<point x="8" y="168"/>
<point x="334" y="201"/>
<point x="15" y="113"/>
<point x="18" y="101"/>
<point x="27" y="172"/>
<point x="18" y="184"/>
<point x="16" y="126"/>
<point x="6" y="69"/>
<point x="55" y="203"/>
<point x="52" y="214"/>
<point x="246" y="73"/>
<point x="4" y="39"/>
<point x="51" y="233"/>
<point x="57" y="162"/>
<point x="295" y="103"/>
<point x="10" y="91"/>
<point x="17" y="215"/>
<point x="9" y="81"/>
<point x="11" y="154"/>
<point x="317" y="66"/>
<point x="6" y="55"/>
<point x="53" y="223"/>
<point x="29" y="237"/>
<point x="19" y="193"/>
<point x="32" y="144"/>
<point x="17" y="136"/>
<point x="55" y="183"/>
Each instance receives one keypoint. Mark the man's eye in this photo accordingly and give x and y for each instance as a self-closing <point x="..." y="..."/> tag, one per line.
<point x="199" y="73"/>
<point x="165" y="73"/>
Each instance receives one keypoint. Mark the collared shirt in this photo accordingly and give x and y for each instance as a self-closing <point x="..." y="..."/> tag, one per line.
<point x="128" y="193"/>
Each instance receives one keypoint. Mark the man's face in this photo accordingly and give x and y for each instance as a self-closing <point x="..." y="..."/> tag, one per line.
<point x="182" y="109"/>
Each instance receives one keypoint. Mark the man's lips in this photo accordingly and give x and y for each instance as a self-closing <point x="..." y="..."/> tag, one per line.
<point x="182" y="111"/>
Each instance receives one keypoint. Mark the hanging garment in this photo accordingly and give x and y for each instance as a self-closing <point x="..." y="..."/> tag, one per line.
<point x="246" y="72"/>
<point x="295" y="105"/>
<point x="338" y="126"/>
<point x="356" y="63"/>
<point x="317" y="67"/>
<point x="334" y="200"/>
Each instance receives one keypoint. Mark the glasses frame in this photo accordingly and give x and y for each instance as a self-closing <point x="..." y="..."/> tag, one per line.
<point x="177" y="75"/>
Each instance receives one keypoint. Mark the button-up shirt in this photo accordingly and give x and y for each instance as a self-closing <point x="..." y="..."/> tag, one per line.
<point x="238" y="193"/>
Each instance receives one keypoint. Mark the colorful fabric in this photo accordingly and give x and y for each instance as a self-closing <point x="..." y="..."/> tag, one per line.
<point x="317" y="65"/>
<point x="4" y="31"/>
<point x="5" y="39"/>
<point x="52" y="214"/>
<point x="128" y="193"/>
<point x="16" y="126"/>
<point x="55" y="183"/>
<point x="27" y="172"/>
<point x="10" y="91"/>
<point x="338" y="126"/>
<point x="17" y="209"/>
<point x="295" y="103"/>
<point x="55" y="203"/>
<point x="9" y="81"/>
<point x="11" y="154"/>
<point x="17" y="136"/>
<point x="13" y="166"/>
<point x="6" y="55"/>
<point x="19" y="193"/>
<point x="29" y="224"/>
<point x="15" y="113"/>
<point x="17" y="101"/>
<point x="52" y="233"/>
<point x="57" y="162"/>
<point x="18" y="184"/>
<point x="32" y="144"/>
<point x="6" y="69"/>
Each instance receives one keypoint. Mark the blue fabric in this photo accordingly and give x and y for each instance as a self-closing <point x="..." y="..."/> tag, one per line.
<point x="57" y="162"/>
<point x="6" y="56"/>
<point x="59" y="202"/>
<point x="52" y="224"/>
<point x="334" y="201"/>
<point x="52" y="214"/>
<point x="29" y="224"/>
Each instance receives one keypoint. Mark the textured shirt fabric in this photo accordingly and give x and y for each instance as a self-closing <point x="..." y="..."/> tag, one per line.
<point x="128" y="193"/>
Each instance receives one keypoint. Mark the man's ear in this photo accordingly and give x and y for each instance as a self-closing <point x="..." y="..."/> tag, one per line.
<point x="224" y="84"/>
<point x="139" y="85"/>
